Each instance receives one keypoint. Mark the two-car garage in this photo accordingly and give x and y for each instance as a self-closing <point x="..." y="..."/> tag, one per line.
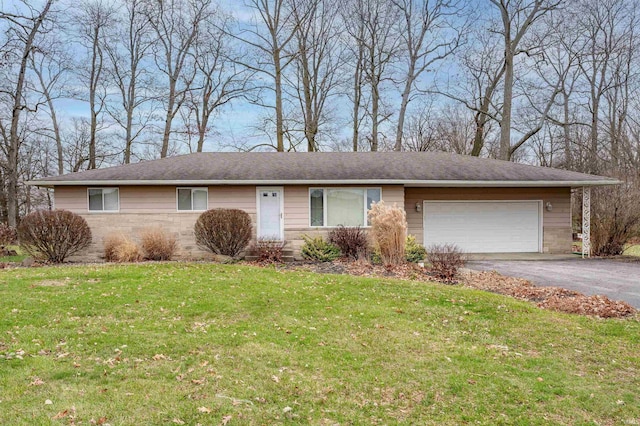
<point x="481" y="226"/>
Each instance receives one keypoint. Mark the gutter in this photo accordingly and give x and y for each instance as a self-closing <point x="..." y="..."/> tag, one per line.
<point x="406" y="183"/>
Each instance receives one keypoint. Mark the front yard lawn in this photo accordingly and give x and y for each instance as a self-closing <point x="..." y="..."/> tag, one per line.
<point x="182" y="343"/>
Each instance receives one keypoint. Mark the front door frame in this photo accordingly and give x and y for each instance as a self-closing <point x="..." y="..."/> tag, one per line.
<point x="270" y="188"/>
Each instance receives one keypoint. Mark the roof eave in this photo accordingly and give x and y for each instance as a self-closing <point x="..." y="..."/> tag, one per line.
<point x="408" y="183"/>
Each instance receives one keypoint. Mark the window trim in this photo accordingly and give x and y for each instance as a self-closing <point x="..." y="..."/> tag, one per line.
<point x="192" y="188"/>
<point x="325" y="205"/>
<point x="102" y="188"/>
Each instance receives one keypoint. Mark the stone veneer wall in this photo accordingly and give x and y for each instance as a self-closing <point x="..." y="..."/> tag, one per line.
<point x="179" y="225"/>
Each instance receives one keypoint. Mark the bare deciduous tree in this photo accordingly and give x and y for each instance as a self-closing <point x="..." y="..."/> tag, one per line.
<point x="128" y="47"/>
<point x="517" y="17"/>
<point x="431" y="30"/>
<point x="24" y="27"/>
<point x="177" y="24"/>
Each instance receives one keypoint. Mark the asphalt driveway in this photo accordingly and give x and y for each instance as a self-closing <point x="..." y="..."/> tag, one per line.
<point x="616" y="279"/>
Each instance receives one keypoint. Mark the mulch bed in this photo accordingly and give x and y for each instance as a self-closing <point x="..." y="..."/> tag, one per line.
<point x="553" y="298"/>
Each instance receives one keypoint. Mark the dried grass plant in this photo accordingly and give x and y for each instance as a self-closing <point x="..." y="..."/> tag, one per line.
<point x="156" y="244"/>
<point x="120" y="248"/>
<point x="388" y="232"/>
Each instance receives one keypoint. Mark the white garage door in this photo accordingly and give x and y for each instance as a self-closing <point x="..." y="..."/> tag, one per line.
<point x="485" y="226"/>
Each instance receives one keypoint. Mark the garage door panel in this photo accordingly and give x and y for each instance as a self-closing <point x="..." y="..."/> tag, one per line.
<point x="484" y="227"/>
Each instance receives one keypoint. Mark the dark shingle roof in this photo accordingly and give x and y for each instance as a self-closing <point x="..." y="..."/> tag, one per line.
<point x="409" y="168"/>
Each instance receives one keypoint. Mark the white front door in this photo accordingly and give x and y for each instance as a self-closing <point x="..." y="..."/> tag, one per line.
<point x="270" y="215"/>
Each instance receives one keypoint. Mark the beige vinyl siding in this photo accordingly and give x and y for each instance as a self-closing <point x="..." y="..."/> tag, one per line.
<point x="72" y="198"/>
<point x="556" y="223"/>
<point x="296" y="209"/>
<point x="157" y="199"/>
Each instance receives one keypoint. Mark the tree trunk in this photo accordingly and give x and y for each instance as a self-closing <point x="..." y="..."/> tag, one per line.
<point x="12" y="172"/>
<point x="505" y="122"/>
<point x="403" y="108"/>
<point x="278" y="92"/>
<point x="357" y="97"/>
<point x="168" y="119"/>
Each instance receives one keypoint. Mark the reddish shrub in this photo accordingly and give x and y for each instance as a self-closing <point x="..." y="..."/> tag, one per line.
<point x="269" y="251"/>
<point x="53" y="235"/>
<point x="352" y="241"/>
<point x="8" y="235"/>
<point x="445" y="261"/>
<point x="223" y="231"/>
<point x="157" y="245"/>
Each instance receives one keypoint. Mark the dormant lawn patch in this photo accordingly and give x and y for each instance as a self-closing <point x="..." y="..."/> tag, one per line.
<point x="229" y="344"/>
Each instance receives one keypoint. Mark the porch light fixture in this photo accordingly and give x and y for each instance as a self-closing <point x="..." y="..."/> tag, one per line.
<point x="548" y="206"/>
<point x="418" y="207"/>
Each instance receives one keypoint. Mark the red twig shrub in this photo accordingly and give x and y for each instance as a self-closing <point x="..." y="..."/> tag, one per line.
<point x="269" y="251"/>
<point x="352" y="241"/>
<point x="120" y="248"/>
<point x="389" y="232"/>
<point x="157" y="244"/>
<point x="8" y="235"/>
<point x="445" y="261"/>
<point x="223" y="231"/>
<point x="53" y="235"/>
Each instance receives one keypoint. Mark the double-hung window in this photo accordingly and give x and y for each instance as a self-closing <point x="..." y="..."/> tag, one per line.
<point x="104" y="199"/>
<point x="341" y="206"/>
<point x="192" y="199"/>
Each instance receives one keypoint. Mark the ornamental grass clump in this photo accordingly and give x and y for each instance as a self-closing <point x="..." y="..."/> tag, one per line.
<point x="388" y="232"/>
<point x="224" y="232"/>
<point x="156" y="244"/>
<point x="53" y="235"/>
<point x="120" y="248"/>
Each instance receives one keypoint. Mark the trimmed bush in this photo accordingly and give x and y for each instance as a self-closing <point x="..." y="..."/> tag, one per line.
<point x="157" y="244"/>
<point x="352" y="241"/>
<point x="318" y="249"/>
<point x="389" y="232"/>
<point x="413" y="251"/>
<point x="120" y="248"/>
<point x="8" y="235"/>
<point x="268" y="250"/>
<point x="445" y="261"/>
<point x="53" y="235"/>
<point x="223" y="231"/>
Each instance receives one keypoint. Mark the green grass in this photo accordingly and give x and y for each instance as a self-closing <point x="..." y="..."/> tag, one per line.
<point x="15" y="259"/>
<point x="197" y="343"/>
<point x="632" y="250"/>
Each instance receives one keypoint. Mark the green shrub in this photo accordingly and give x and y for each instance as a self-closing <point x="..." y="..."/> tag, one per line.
<point x="319" y="249"/>
<point x="352" y="241"/>
<point x="53" y="235"/>
<point x="223" y="231"/>
<point x="414" y="252"/>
